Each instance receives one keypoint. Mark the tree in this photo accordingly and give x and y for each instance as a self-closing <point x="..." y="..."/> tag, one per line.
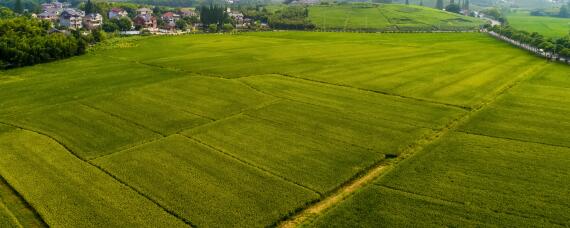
<point x="466" y="5"/>
<point x="181" y="25"/>
<point x="407" y="2"/>
<point x="564" y="12"/>
<point x="18" y="8"/>
<point x="98" y="35"/>
<point x="421" y="2"/>
<point x="227" y="27"/>
<point x="212" y="28"/>
<point x="6" y="13"/>
<point x="89" y="8"/>
<point x="439" y="4"/>
<point x="124" y="24"/>
<point x="454" y="8"/>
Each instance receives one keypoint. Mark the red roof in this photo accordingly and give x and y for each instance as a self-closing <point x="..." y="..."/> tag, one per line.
<point x="117" y="10"/>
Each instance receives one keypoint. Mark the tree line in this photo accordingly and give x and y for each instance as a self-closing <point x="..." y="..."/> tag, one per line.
<point x="557" y="48"/>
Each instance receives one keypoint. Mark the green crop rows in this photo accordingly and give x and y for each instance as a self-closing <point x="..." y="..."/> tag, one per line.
<point x="246" y="130"/>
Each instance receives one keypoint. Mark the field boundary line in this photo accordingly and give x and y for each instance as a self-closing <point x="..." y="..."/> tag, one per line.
<point x="372" y="91"/>
<point x="121" y="182"/>
<point x="249" y="163"/>
<point x="122" y="118"/>
<point x="511" y="139"/>
<point x="272" y="122"/>
<point x="338" y="109"/>
<point x="34" y="213"/>
<point x="455" y="203"/>
<point x="374" y="172"/>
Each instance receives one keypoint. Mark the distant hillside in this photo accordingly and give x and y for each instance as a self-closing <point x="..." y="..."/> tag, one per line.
<point x="387" y="17"/>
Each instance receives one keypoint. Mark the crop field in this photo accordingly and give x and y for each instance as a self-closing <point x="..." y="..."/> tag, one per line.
<point x="388" y="17"/>
<point x="250" y="130"/>
<point x="553" y="27"/>
<point x="506" y="166"/>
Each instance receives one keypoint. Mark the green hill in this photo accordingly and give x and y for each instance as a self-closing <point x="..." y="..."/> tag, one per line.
<point x="387" y="17"/>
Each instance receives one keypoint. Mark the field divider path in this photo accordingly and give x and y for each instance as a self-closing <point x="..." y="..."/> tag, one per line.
<point x="171" y="212"/>
<point x="379" y="169"/>
<point x="455" y="203"/>
<point x="124" y="119"/>
<point x="300" y="78"/>
<point x="324" y="106"/>
<point x="513" y="139"/>
<point x="250" y="164"/>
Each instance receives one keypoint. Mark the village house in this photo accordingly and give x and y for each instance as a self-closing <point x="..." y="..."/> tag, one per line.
<point x="50" y="15"/>
<point x="188" y="13"/>
<point x="53" y="5"/>
<point x="117" y="13"/>
<point x="92" y="21"/>
<point x="170" y="17"/>
<point x="144" y="11"/>
<point x="72" y="18"/>
<point x="145" y="21"/>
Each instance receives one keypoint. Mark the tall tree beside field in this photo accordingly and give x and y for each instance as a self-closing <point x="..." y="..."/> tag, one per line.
<point x="466" y="5"/>
<point x="564" y="12"/>
<point x="89" y="7"/>
<point x="421" y="2"/>
<point x="407" y="2"/>
<point x="439" y="4"/>
<point x="18" y="8"/>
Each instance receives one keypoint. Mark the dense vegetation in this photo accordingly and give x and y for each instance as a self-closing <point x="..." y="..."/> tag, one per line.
<point x="557" y="47"/>
<point x="25" y="41"/>
<point x="244" y="130"/>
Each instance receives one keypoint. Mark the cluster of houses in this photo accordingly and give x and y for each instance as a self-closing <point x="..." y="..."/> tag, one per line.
<point x="63" y="15"/>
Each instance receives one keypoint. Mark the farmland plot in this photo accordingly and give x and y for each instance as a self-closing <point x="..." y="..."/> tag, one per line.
<point x="399" y="64"/>
<point x="289" y="154"/>
<point x="466" y="180"/>
<point x="6" y="218"/>
<point x="243" y="130"/>
<point x="206" y="186"/>
<point x="67" y="192"/>
<point x="86" y="131"/>
<point x="506" y="166"/>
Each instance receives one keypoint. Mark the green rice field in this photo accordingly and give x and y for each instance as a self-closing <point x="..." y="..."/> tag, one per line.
<point x="553" y="27"/>
<point x="387" y="17"/>
<point x="251" y="129"/>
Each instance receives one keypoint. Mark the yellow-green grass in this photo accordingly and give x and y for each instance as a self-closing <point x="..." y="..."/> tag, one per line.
<point x="459" y="69"/>
<point x="290" y="154"/>
<point x="255" y="99"/>
<point x="466" y="180"/>
<point x="73" y="79"/>
<point x="7" y="219"/>
<point x="388" y="17"/>
<point x="332" y="124"/>
<point x="553" y="27"/>
<point x="209" y="97"/>
<point x="536" y="111"/>
<point x="368" y="106"/>
<point x="205" y="186"/>
<point x="87" y="132"/>
<point x="155" y="114"/>
<point x="67" y="192"/>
